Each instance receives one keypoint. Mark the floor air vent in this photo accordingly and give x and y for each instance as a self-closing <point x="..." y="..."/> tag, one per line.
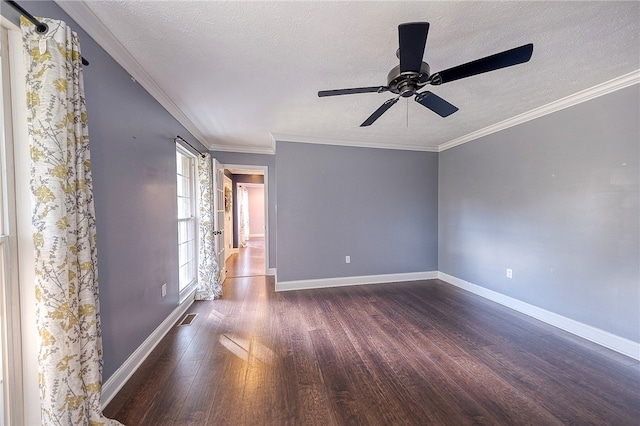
<point x="188" y="319"/>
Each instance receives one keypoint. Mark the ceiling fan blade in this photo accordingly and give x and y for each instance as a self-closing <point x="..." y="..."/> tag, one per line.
<point x="412" y="39"/>
<point x="376" y="89"/>
<point x="504" y="59"/>
<point x="377" y="113"/>
<point x="435" y="103"/>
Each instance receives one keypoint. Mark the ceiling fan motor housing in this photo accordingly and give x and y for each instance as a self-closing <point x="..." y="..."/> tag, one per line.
<point x="407" y="83"/>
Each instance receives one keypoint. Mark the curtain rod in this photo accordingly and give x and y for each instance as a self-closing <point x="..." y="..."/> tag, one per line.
<point x="41" y="27"/>
<point x="192" y="147"/>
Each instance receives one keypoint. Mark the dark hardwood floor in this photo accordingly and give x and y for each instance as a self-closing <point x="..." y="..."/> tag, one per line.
<point x="392" y="354"/>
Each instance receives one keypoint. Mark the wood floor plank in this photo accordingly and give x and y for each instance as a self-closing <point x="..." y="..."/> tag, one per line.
<point x="364" y="365"/>
<point x="552" y="368"/>
<point x="314" y="408"/>
<point x="479" y="383"/>
<point x="342" y="395"/>
<point x="416" y="380"/>
<point x="571" y="371"/>
<point x="395" y="354"/>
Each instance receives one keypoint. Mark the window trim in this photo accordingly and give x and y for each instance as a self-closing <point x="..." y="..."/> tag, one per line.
<point x="14" y="249"/>
<point x="190" y="288"/>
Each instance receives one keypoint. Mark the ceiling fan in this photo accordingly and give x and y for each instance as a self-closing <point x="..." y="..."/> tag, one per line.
<point x="413" y="73"/>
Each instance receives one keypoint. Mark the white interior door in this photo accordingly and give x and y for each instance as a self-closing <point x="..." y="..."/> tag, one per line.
<point x="218" y="216"/>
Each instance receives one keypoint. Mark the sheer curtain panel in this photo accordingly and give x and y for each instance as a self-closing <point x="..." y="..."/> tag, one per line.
<point x="243" y="209"/>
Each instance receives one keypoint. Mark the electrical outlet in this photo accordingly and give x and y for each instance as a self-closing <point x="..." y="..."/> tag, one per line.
<point x="509" y="273"/>
<point x="164" y="289"/>
<point x="347" y="259"/>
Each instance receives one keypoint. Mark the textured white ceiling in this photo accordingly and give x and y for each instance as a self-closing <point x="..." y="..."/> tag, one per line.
<point x="238" y="74"/>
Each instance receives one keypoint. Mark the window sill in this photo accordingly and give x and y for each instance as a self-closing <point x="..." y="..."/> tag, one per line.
<point x="189" y="292"/>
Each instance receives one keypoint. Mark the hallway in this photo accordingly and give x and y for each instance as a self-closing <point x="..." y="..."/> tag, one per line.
<point x="249" y="262"/>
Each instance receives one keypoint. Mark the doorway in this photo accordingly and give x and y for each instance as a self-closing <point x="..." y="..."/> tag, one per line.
<point x="246" y="218"/>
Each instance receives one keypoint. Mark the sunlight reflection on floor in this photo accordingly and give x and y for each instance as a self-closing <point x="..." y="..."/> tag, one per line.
<point x="244" y="348"/>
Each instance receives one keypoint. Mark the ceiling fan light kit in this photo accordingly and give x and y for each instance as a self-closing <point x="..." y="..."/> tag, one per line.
<point x="412" y="74"/>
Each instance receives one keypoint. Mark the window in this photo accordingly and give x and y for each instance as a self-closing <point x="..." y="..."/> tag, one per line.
<point x="187" y="243"/>
<point x="11" y="338"/>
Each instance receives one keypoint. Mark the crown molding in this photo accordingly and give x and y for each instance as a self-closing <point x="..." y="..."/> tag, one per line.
<point x="267" y="150"/>
<point x="283" y="137"/>
<point x="618" y="83"/>
<point x="84" y="16"/>
<point x="243" y="149"/>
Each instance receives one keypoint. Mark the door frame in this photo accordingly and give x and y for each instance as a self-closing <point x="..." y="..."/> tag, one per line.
<point x="219" y="213"/>
<point x="228" y="251"/>
<point x="265" y="173"/>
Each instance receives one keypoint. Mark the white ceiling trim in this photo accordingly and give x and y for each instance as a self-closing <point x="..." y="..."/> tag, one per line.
<point x="79" y="12"/>
<point x="243" y="150"/>
<point x="238" y="169"/>
<point x="566" y="102"/>
<point x="246" y="150"/>
<point x="250" y="185"/>
<point x="283" y="137"/>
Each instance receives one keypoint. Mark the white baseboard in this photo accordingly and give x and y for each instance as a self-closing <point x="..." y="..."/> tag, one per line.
<point x="619" y="344"/>
<point x="271" y="271"/>
<point x="118" y="379"/>
<point x="358" y="280"/>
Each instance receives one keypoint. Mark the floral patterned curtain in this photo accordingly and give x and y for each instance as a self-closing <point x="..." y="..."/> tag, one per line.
<point x="209" y="285"/>
<point x="64" y="229"/>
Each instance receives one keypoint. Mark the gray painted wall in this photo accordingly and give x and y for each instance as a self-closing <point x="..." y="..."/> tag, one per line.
<point x="134" y="172"/>
<point x="268" y="161"/>
<point x="378" y="206"/>
<point x="556" y="200"/>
